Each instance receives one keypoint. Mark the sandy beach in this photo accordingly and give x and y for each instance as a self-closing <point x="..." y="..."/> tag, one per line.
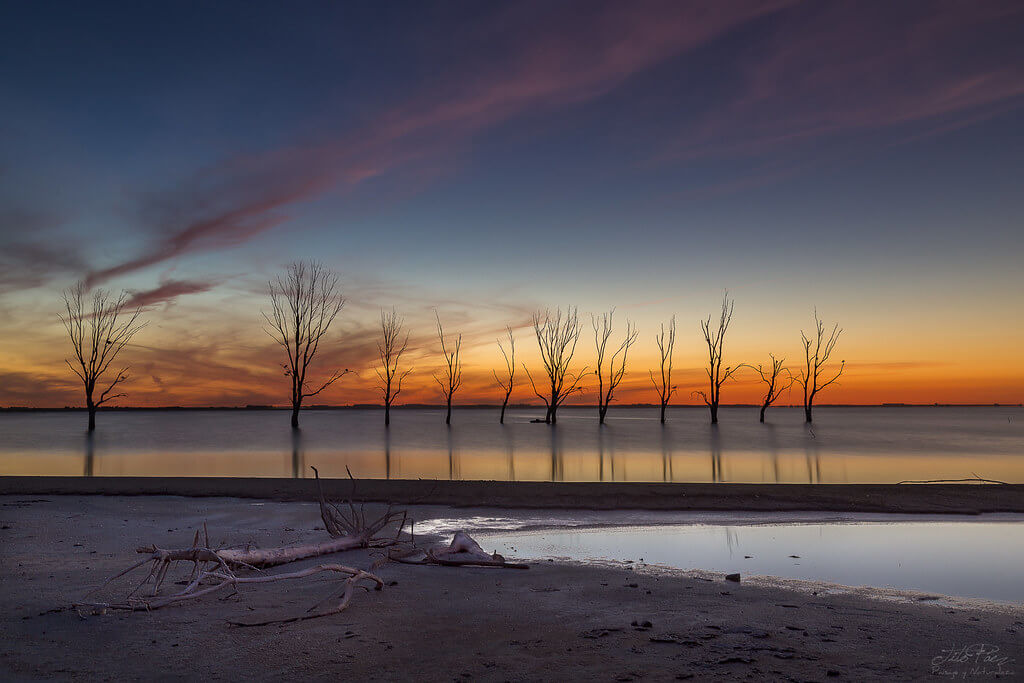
<point x="556" y="621"/>
<point x="899" y="498"/>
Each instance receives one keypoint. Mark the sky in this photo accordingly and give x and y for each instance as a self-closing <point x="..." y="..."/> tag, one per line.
<point x="488" y="160"/>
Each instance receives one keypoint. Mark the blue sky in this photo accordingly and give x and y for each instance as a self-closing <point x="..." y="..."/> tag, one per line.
<point x="572" y="152"/>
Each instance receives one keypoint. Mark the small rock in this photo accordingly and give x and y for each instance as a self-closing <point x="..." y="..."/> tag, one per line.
<point x="732" y="577"/>
<point x="796" y="557"/>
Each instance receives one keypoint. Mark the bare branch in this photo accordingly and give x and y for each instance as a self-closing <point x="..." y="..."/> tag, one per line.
<point x="817" y="352"/>
<point x="98" y="335"/>
<point x="557" y="337"/>
<point x="666" y="341"/>
<point x="715" y="340"/>
<point x="607" y="383"/>
<point x="390" y="349"/>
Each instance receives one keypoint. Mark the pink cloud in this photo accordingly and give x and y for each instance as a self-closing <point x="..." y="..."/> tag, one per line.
<point x="544" y="60"/>
<point x="167" y="292"/>
<point x="835" y="68"/>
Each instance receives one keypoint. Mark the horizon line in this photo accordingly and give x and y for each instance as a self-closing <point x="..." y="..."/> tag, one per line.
<point x="496" y="406"/>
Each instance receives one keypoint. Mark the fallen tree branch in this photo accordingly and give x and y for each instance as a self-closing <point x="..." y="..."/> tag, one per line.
<point x="214" y="570"/>
<point x="462" y="552"/>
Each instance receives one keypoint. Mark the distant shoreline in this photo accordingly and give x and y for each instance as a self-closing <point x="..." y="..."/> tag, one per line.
<point x="492" y="406"/>
<point x="970" y="499"/>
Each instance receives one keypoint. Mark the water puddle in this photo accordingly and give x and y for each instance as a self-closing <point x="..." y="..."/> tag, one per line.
<point x="977" y="559"/>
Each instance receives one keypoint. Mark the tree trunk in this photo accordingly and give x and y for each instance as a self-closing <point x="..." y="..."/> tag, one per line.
<point x="662" y="413"/>
<point x="553" y="415"/>
<point x="763" y="408"/>
<point x="807" y="412"/>
<point x="387" y="414"/>
<point x="602" y="411"/>
<point x="92" y="418"/>
<point x="448" y="417"/>
<point x="295" y="416"/>
<point x="714" y="413"/>
<point x="501" y="420"/>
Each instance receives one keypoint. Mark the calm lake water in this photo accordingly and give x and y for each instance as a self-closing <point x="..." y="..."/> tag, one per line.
<point x="853" y="445"/>
<point x="971" y="559"/>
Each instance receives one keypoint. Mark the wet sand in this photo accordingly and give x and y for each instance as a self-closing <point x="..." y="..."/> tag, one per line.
<point x="552" y="622"/>
<point x="902" y="498"/>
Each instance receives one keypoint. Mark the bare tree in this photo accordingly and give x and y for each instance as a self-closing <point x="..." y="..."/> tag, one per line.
<point x="557" y="337"/>
<point x="606" y="386"/>
<point x="452" y="369"/>
<point x="816" y="355"/>
<point x="97" y="336"/>
<point x="391" y="347"/>
<point x="774" y="380"/>
<point x="715" y="339"/>
<point x="666" y="344"/>
<point x="510" y="366"/>
<point x="303" y="303"/>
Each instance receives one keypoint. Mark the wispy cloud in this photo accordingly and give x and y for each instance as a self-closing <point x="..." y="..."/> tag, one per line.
<point x="838" y="68"/>
<point x="30" y="256"/>
<point x="168" y="291"/>
<point x="546" y="58"/>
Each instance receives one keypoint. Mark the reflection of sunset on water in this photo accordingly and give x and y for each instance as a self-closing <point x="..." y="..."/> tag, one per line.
<point x="847" y="445"/>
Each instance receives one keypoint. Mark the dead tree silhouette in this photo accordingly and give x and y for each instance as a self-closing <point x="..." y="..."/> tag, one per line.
<point x="510" y="366"/>
<point x="452" y="369"/>
<point x="816" y="355"/>
<point x="774" y="380"/>
<point x="666" y="342"/>
<point x="606" y="386"/>
<point x="97" y="336"/>
<point x="557" y="337"/>
<point x="303" y="305"/>
<point x="715" y="339"/>
<point x="390" y="349"/>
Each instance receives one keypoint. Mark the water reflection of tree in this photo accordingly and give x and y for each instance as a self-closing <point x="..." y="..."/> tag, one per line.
<point x="606" y="444"/>
<point x="387" y="453"/>
<point x="90" y="453"/>
<point x="773" y="449"/>
<point x="298" y="455"/>
<point x="716" y="454"/>
<point x="666" y="454"/>
<point x="812" y="456"/>
<point x="510" y="451"/>
<point x="453" y="460"/>
<point x="557" y="457"/>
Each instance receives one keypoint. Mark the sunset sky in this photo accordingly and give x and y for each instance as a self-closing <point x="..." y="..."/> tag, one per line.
<point x="488" y="159"/>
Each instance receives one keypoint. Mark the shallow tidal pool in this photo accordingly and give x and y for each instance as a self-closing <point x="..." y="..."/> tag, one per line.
<point x="979" y="559"/>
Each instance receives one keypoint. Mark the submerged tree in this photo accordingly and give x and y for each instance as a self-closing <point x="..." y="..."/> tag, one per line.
<point x="773" y="378"/>
<point x="98" y="333"/>
<point x="304" y="303"/>
<point x="816" y="355"/>
<point x="606" y="385"/>
<point x="452" y="379"/>
<point x="666" y="341"/>
<point x="557" y="337"/>
<point x="715" y="339"/>
<point x="510" y="367"/>
<point x="390" y="348"/>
